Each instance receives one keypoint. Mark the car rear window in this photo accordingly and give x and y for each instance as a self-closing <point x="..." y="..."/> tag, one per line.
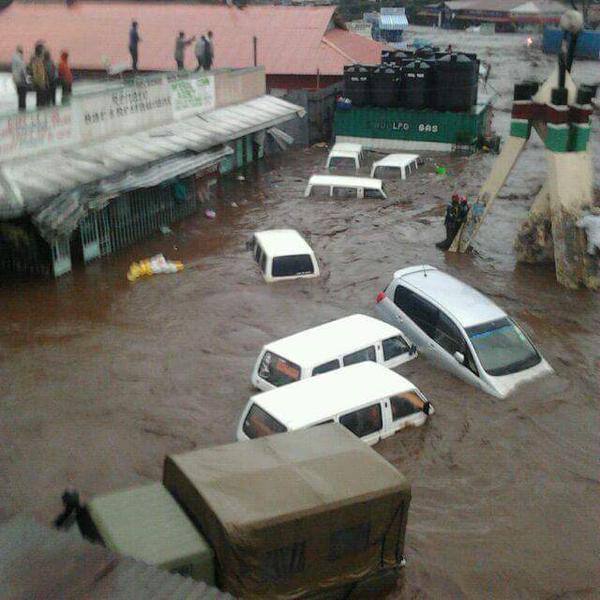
<point x="289" y="266"/>
<point x="277" y="370"/>
<point x="259" y="423"/>
<point x="393" y="347"/>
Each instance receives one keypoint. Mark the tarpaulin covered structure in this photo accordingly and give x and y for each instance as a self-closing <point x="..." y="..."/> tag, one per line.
<point x="300" y="514"/>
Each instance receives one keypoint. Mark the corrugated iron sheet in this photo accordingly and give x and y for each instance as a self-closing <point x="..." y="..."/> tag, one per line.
<point x="289" y="37"/>
<point x="38" y="562"/>
<point x="393" y="22"/>
<point x="44" y="177"/>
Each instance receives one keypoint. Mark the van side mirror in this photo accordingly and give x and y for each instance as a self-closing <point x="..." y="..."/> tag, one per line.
<point x="427" y="408"/>
<point x="460" y="357"/>
<point x="412" y="350"/>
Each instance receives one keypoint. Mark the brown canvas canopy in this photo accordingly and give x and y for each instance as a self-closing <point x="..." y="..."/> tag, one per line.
<point x="295" y="513"/>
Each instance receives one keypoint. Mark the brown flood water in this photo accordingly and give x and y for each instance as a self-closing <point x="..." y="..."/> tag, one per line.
<point x="101" y="378"/>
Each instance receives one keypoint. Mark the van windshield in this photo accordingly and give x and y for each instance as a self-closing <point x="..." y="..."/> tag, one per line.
<point x="259" y="423"/>
<point x="289" y="266"/>
<point x="278" y="371"/>
<point x="502" y="347"/>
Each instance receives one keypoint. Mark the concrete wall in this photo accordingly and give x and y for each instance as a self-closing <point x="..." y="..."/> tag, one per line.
<point x="240" y="85"/>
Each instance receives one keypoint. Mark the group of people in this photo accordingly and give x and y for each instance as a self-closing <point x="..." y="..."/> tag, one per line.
<point x="42" y="75"/>
<point x="456" y="215"/>
<point x="204" y="49"/>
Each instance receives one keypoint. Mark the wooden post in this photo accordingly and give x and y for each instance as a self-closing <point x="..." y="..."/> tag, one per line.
<point x="255" y="50"/>
<point x="318" y="79"/>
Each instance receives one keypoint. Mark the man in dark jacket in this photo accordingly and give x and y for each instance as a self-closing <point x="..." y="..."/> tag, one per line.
<point x="180" y="45"/>
<point x="134" y="40"/>
<point x="451" y="221"/>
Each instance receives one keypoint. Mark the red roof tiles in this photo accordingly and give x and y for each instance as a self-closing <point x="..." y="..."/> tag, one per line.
<point x="291" y="40"/>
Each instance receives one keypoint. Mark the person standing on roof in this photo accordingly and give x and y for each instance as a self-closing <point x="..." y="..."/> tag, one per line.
<point x="52" y="75"/>
<point x="199" y="51"/>
<point x="65" y="77"/>
<point x="180" y="45"/>
<point x="134" y="40"/>
<point x="209" y="52"/>
<point x="39" y="76"/>
<point x="19" y="75"/>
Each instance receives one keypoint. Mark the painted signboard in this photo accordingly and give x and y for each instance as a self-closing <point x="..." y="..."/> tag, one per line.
<point x="146" y="103"/>
<point x="27" y="132"/>
<point x="192" y="96"/>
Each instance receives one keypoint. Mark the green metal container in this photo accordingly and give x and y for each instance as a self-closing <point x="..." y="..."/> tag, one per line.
<point x="427" y="127"/>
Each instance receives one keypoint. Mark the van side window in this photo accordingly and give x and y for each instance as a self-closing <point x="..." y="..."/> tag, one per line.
<point x="448" y="336"/>
<point x="349" y="540"/>
<point x="283" y="562"/>
<point x="423" y="313"/>
<point x="332" y="365"/>
<point x="405" y="405"/>
<point x="344" y="192"/>
<point x="360" y="356"/>
<point x="363" y="421"/>
<point x="373" y="193"/>
<point x="394" y="346"/>
<point x="263" y="262"/>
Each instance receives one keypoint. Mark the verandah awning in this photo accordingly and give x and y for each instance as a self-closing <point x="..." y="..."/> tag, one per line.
<point x="27" y="186"/>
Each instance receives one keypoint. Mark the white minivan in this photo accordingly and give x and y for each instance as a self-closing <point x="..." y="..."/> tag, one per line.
<point x="460" y="329"/>
<point x="339" y="186"/>
<point x="368" y="399"/>
<point x="283" y="254"/>
<point x="330" y="346"/>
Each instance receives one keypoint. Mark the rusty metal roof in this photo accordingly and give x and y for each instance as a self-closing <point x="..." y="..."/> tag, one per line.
<point x="289" y="38"/>
<point x="39" y="562"/>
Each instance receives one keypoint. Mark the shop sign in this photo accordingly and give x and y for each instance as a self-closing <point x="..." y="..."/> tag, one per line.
<point x="28" y="132"/>
<point x="191" y="96"/>
<point x="130" y="108"/>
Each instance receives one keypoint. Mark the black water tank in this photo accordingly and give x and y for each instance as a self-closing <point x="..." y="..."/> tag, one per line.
<point x="387" y="56"/>
<point x="585" y="94"/>
<point x="416" y="84"/>
<point x="525" y="90"/>
<point x="385" y="87"/>
<point x="356" y="84"/>
<point x="402" y="58"/>
<point x="426" y="52"/>
<point x="456" y="79"/>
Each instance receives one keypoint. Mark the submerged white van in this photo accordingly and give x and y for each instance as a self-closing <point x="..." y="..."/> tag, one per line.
<point x="368" y="399"/>
<point x="283" y="254"/>
<point x="330" y="346"/>
<point x="339" y="186"/>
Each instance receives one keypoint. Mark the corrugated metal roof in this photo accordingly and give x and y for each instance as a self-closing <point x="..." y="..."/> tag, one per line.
<point x="43" y="177"/>
<point x="339" y="48"/>
<point x="38" y="562"/>
<point x="289" y="37"/>
<point x="393" y="22"/>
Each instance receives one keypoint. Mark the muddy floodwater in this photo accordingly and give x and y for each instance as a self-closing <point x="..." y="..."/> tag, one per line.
<point x="100" y="378"/>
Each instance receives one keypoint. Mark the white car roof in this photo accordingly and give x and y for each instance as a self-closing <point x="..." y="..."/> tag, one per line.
<point x="323" y="396"/>
<point x="396" y="160"/>
<point x="315" y="346"/>
<point x="282" y="242"/>
<point x="344" y="154"/>
<point x="468" y="306"/>
<point x="347" y="146"/>
<point x="340" y="180"/>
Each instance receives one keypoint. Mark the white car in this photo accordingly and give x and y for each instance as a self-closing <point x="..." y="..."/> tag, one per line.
<point x="460" y="329"/>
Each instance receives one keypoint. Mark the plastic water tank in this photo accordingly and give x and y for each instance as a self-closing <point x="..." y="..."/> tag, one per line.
<point x="456" y="79"/>
<point x="357" y="84"/>
<point x="416" y="84"/>
<point x="385" y="86"/>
